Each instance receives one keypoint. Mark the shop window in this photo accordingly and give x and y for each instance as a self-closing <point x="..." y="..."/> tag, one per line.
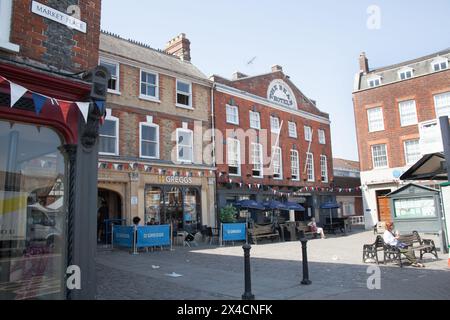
<point x="32" y="213"/>
<point x="191" y="215"/>
<point x="153" y="205"/>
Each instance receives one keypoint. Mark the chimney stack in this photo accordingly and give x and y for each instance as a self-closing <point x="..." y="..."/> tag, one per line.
<point x="238" y="75"/>
<point x="277" y="68"/>
<point x="179" y="46"/>
<point x="363" y="63"/>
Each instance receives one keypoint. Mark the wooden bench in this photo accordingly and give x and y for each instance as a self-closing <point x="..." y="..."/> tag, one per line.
<point x="263" y="231"/>
<point x="305" y="230"/>
<point x="393" y="253"/>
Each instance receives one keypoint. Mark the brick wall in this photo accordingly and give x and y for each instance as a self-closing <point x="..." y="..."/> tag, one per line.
<point x="287" y="143"/>
<point x="49" y="42"/>
<point x="421" y="89"/>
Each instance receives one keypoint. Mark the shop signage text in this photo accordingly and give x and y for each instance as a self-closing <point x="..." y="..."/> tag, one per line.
<point x="175" y="180"/>
<point x="58" y="16"/>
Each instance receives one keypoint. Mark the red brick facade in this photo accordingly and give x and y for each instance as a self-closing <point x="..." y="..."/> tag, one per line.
<point x="62" y="47"/>
<point x="421" y="89"/>
<point x="258" y="86"/>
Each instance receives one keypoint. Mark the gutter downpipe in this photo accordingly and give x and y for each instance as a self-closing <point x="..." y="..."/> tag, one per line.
<point x="213" y="125"/>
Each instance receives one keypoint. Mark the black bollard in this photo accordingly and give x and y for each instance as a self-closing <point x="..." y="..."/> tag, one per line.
<point x="248" y="277"/>
<point x="305" y="280"/>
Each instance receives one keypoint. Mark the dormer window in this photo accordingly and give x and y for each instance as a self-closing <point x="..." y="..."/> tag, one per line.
<point x="439" y="64"/>
<point x="406" y="73"/>
<point x="374" y="82"/>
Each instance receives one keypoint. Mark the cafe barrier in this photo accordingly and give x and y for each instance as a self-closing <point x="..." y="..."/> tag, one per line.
<point x="234" y="232"/>
<point x="153" y="236"/>
<point x="144" y="237"/>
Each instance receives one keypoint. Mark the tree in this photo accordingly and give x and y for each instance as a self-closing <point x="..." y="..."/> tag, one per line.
<point x="228" y="214"/>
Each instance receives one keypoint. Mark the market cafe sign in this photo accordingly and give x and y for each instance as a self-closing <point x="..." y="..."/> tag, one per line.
<point x="175" y="180"/>
<point x="58" y="16"/>
<point x="280" y="93"/>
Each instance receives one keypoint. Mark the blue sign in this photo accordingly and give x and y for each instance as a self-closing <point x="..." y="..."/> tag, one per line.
<point x="234" y="231"/>
<point x="123" y="236"/>
<point x="153" y="236"/>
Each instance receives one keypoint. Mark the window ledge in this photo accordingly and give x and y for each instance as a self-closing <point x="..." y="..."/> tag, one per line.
<point x="117" y="93"/>
<point x="182" y="106"/>
<point x="10" y="46"/>
<point x="149" y="98"/>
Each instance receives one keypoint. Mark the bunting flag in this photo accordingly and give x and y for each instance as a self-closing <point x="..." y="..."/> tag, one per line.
<point x="84" y="109"/>
<point x="17" y="92"/>
<point x="39" y="102"/>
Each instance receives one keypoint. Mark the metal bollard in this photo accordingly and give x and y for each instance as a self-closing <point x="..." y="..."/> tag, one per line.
<point x="305" y="280"/>
<point x="248" y="281"/>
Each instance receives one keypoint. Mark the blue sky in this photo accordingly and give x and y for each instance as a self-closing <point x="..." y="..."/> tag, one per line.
<point x="317" y="42"/>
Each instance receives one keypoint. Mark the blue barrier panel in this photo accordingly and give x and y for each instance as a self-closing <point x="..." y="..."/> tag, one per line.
<point x="234" y="231"/>
<point x="153" y="236"/>
<point x="123" y="236"/>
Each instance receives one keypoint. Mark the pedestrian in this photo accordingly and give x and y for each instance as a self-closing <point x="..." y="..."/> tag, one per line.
<point x="102" y="216"/>
<point x="315" y="229"/>
<point x="393" y="240"/>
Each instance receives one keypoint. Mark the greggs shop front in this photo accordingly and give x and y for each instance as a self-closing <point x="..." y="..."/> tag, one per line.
<point x="48" y="162"/>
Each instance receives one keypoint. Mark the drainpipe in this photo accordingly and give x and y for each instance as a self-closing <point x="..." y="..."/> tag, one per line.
<point x="213" y="127"/>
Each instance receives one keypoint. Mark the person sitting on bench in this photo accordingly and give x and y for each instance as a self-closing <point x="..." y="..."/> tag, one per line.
<point x="314" y="228"/>
<point x="393" y="240"/>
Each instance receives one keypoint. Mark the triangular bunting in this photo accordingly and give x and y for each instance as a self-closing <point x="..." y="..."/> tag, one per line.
<point x="17" y="92"/>
<point x="39" y="102"/>
<point x="84" y="109"/>
<point x="65" y="108"/>
<point x="100" y="105"/>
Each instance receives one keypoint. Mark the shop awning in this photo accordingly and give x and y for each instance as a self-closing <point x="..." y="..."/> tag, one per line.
<point x="430" y="167"/>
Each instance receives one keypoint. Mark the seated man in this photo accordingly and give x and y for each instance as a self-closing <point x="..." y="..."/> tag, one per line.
<point x="392" y="240"/>
<point x="314" y="228"/>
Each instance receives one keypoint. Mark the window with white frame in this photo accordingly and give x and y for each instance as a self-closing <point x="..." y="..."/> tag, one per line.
<point x="109" y="135"/>
<point x="114" y="69"/>
<point x="375" y="118"/>
<point x="439" y="64"/>
<point x="149" y="144"/>
<point x="322" y="138"/>
<point x="234" y="157"/>
<point x="257" y="157"/>
<point x="379" y="156"/>
<point x="324" y="168"/>
<point x="255" y="120"/>
<point x="232" y="114"/>
<point x="277" y="163"/>
<point x="405" y="73"/>
<point x="5" y="26"/>
<point x="310" y="167"/>
<point x="149" y="85"/>
<point x="408" y="113"/>
<point x="295" y="165"/>
<point x="292" y="130"/>
<point x="442" y="104"/>
<point x="184" y="94"/>
<point x="308" y="133"/>
<point x="275" y="124"/>
<point x="185" y="145"/>
<point x="412" y="151"/>
<point x="374" y="82"/>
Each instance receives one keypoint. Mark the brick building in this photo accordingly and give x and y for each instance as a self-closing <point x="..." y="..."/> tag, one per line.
<point x="154" y="160"/>
<point x="396" y="110"/>
<point x="272" y="142"/>
<point x="48" y="159"/>
<point x="347" y="186"/>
